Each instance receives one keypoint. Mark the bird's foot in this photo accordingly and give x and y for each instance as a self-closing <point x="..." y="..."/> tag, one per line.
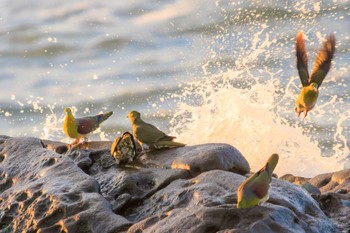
<point x="305" y="114"/>
<point x="73" y="144"/>
<point x="298" y="112"/>
<point x="76" y="143"/>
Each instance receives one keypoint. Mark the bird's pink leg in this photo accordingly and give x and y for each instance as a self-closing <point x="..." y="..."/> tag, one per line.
<point x="81" y="141"/>
<point x="75" y="142"/>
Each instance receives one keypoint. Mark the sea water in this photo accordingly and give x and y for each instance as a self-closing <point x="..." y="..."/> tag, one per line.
<point x="204" y="71"/>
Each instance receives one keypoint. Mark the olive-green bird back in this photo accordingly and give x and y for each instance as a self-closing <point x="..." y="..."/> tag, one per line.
<point x="150" y="135"/>
<point x="254" y="189"/>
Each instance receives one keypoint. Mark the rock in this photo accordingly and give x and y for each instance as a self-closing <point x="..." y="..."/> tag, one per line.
<point x="82" y="159"/>
<point x="207" y="204"/>
<point x="44" y="191"/>
<point x="337" y="207"/>
<point x="333" y="195"/>
<point x="332" y="182"/>
<point x="200" y="158"/>
<point x="302" y="182"/>
<point x="294" y="179"/>
<point x="134" y="180"/>
<point x="47" y="187"/>
<point x="335" y="198"/>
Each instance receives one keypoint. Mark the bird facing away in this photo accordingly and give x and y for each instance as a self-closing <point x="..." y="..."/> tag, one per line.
<point x="80" y="128"/>
<point x="255" y="189"/>
<point x="148" y="135"/>
<point x="309" y="92"/>
<point x="123" y="148"/>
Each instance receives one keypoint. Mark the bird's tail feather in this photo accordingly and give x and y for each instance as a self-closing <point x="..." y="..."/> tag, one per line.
<point x="167" y="144"/>
<point x="272" y="163"/>
<point x="104" y="116"/>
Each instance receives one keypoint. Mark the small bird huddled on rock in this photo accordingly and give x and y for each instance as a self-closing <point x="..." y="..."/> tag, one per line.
<point x="81" y="128"/>
<point x="149" y="136"/>
<point x="123" y="148"/>
<point x="255" y="189"/>
<point x="309" y="92"/>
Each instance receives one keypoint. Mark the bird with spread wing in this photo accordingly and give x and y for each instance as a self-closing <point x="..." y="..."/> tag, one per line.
<point x="311" y="83"/>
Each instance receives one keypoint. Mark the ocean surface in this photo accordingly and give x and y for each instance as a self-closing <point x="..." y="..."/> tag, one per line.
<point x="204" y="71"/>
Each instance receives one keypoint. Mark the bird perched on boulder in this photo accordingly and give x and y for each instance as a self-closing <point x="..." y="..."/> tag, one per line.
<point x="311" y="84"/>
<point x="255" y="189"/>
<point x="149" y="136"/>
<point x="81" y="128"/>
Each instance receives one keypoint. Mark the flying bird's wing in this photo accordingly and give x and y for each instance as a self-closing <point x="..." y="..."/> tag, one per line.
<point x="323" y="60"/>
<point x="302" y="59"/>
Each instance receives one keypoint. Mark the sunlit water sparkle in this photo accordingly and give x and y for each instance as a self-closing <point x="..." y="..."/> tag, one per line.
<point x="212" y="71"/>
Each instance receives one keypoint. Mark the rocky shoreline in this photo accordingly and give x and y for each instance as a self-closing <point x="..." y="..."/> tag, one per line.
<point x="46" y="188"/>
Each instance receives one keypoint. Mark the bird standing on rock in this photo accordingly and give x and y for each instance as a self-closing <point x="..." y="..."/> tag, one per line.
<point x="149" y="136"/>
<point x="80" y="128"/>
<point x="309" y="92"/>
<point x="255" y="189"/>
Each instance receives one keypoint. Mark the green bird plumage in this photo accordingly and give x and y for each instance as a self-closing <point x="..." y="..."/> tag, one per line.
<point x="309" y="92"/>
<point x="80" y="128"/>
<point x="148" y="135"/>
<point x="255" y="189"/>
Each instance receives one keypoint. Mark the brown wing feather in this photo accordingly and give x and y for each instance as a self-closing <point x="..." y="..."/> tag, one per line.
<point x="258" y="183"/>
<point x="148" y="133"/>
<point x="86" y="125"/>
<point x="323" y="60"/>
<point x="302" y="61"/>
<point x="260" y="180"/>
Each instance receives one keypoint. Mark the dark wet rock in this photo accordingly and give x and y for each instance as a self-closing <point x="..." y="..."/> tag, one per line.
<point x="294" y="179"/>
<point x="201" y="158"/>
<point x="81" y="158"/>
<point x="44" y="191"/>
<point x="333" y="195"/>
<point x="335" y="198"/>
<point x="207" y="204"/>
<point x="46" y="186"/>
<point x="302" y="182"/>
<point x="332" y="182"/>
<point x="127" y="184"/>
<point x="337" y="207"/>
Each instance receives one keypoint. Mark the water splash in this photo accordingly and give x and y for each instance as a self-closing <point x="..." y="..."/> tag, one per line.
<point x="52" y="128"/>
<point x="253" y="110"/>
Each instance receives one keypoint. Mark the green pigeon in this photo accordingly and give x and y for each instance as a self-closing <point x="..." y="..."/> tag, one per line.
<point x="309" y="92"/>
<point x="149" y="136"/>
<point x="81" y="128"/>
<point x="255" y="189"/>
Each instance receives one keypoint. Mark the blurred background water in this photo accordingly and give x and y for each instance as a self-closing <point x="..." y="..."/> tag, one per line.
<point x="205" y="71"/>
